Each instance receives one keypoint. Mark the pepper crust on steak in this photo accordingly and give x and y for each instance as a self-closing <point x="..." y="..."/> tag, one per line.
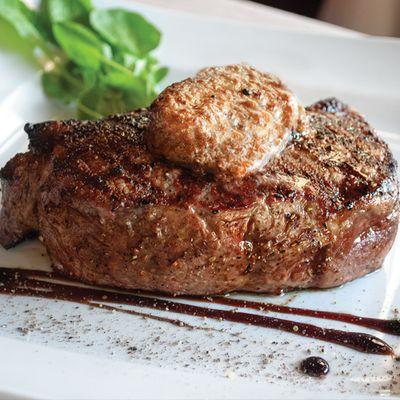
<point x="322" y="212"/>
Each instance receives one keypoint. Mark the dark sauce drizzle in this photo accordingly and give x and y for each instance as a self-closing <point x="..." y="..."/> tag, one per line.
<point x="49" y="290"/>
<point x="391" y="326"/>
<point x="25" y="282"/>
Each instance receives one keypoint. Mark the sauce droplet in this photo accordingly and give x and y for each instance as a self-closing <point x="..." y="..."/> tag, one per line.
<point x="314" y="366"/>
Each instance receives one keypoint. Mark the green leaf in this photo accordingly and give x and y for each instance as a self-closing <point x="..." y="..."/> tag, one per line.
<point x="126" y="30"/>
<point x="66" y="81"/>
<point x="51" y="11"/>
<point x="89" y="103"/>
<point x="159" y="73"/>
<point x="124" y="81"/>
<point x="132" y="101"/>
<point x="80" y="44"/>
<point x="128" y="60"/>
<point x="89" y="77"/>
<point x="65" y="10"/>
<point x="99" y="101"/>
<point x="150" y="61"/>
<point x="24" y="20"/>
<point x="10" y="41"/>
<point x="55" y="85"/>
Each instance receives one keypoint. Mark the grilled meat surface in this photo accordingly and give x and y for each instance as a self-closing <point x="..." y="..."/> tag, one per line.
<point x="321" y="213"/>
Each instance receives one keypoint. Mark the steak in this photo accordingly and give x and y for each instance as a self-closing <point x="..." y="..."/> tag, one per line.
<point x="109" y="211"/>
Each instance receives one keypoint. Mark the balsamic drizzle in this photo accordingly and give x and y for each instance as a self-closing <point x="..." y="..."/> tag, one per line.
<point x="391" y="326"/>
<point x="25" y="282"/>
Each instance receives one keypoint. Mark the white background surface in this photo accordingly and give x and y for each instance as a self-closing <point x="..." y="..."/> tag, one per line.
<point x="84" y="354"/>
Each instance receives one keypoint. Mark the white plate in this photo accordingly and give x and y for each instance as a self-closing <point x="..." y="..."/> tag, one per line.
<point x="74" y="352"/>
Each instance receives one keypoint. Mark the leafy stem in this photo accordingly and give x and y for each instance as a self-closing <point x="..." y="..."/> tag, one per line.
<point x="115" y="65"/>
<point x="86" y="110"/>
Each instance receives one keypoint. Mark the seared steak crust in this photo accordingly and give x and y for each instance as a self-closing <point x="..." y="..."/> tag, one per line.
<point x="323" y="212"/>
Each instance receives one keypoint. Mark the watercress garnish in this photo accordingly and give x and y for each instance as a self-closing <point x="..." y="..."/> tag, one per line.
<point x="100" y="61"/>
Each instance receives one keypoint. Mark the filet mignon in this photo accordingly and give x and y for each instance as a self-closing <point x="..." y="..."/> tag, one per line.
<point x="322" y="212"/>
